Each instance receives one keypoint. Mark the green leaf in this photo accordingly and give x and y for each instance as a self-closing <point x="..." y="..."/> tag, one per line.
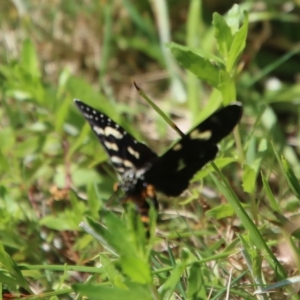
<point x="29" y="60"/>
<point x="133" y="258"/>
<point x="220" y="212"/>
<point x="4" y="163"/>
<point x="238" y="45"/>
<point x="227" y="87"/>
<point x="114" y="276"/>
<point x="196" y="283"/>
<point x="12" y="268"/>
<point x="199" y="66"/>
<point x="233" y="18"/>
<point x="65" y="221"/>
<point x="249" y="179"/>
<point x="94" y="201"/>
<point x="222" y="34"/>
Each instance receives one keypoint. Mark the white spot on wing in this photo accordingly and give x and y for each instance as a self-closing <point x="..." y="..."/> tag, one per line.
<point x="198" y="135"/>
<point x="116" y="160"/>
<point x="133" y="152"/>
<point x="140" y="172"/>
<point x="128" y="163"/>
<point x="112" y="131"/>
<point x="111" y="146"/>
<point x="88" y="116"/>
<point x="177" y="147"/>
<point x="98" y="130"/>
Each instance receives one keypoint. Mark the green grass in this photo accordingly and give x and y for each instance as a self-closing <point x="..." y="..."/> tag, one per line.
<point x="63" y="234"/>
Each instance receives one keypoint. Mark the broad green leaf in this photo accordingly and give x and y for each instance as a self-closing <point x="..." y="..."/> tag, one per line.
<point x="199" y="66"/>
<point x="222" y="34"/>
<point x="112" y="273"/>
<point x="238" y="45"/>
<point x="196" y="283"/>
<point x="233" y="18"/>
<point x="64" y="221"/>
<point x="220" y="212"/>
<point x="80" y="176"/>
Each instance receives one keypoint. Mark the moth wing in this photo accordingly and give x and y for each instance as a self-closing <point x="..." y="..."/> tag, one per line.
<point x="124" y="151"/>
<point x="171" y="173"/>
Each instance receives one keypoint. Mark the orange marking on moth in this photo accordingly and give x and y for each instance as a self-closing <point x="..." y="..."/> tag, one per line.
<point x="145" y="219"/>
<point x="116" y="186"/>
<point x="150" y="191"/>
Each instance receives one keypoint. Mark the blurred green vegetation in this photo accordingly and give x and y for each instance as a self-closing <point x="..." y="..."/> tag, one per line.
<point x="235" y="233"/>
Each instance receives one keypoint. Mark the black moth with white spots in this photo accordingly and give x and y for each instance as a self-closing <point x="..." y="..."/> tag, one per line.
<point x="142" y="171"/>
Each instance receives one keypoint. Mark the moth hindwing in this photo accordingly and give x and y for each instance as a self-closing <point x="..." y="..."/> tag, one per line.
<point x="142" y="171"/>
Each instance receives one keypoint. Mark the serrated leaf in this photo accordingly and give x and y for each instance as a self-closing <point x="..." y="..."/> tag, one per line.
<point x="114" y="276"/>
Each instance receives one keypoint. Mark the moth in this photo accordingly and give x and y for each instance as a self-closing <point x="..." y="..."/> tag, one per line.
<point x="142" y="172"/>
